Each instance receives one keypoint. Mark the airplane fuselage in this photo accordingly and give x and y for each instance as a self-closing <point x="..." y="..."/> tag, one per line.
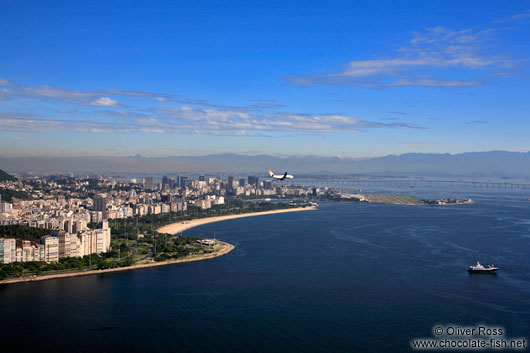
<point x="280" y="177"/>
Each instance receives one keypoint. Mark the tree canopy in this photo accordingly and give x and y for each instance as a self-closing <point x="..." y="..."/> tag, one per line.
<point x="6" y="177"/>
<point x="23" y="232"/>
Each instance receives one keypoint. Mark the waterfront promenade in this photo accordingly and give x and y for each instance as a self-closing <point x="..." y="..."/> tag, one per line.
<point x="223" y="250"/>
<point x="173" y="228"/>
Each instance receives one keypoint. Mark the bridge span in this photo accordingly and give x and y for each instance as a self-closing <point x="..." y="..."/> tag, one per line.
<point x="363" y="182"/>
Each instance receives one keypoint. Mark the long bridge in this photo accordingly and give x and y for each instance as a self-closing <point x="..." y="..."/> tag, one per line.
<point x="358" y="181"/>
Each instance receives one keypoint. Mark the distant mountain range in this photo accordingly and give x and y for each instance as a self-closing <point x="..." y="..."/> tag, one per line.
<point x="472" y="164"/>
<point x="479" y="164"/>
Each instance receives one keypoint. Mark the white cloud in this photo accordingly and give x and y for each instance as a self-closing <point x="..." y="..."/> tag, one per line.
<point x="104" y="97"/>
<point x="66" y="95"/>
<point x="216" y="121"/>
<point x="9" y="115"/>
<point x="4" y="82"/>
<point x="186" y="120"/>
<point x="433" y="83"/>
<point x="522" y="18"/>
<point x="5" y="94"/>
<point x="104" y="102"/>
<point x="434" y="52"/>
<point x="84" y="98"/>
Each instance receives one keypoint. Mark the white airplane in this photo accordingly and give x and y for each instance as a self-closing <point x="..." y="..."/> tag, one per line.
<point x="280" y="177"/>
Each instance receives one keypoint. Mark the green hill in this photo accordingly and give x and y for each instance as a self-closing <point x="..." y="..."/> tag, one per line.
<point x="9" y="195"/>
<point x="23" y="232"/>
<point x="6" y="177"/>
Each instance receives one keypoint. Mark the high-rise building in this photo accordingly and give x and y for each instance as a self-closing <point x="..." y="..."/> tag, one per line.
<point x="242" y="182"/>
<point x="7" y="250"/>
<point x="230" y="185"/>
<point x="75" y="246"/>
<point x="100" y="204"/>
<point x="92" y="242"/>
<point x="51" y="248"/>
<point x="84" y="242"/>
<point x="201" y="177"/>
<point x="172" y="183"/>
<point x="165" y="181"/>
<point x="64" y="244"/>
<point x="183" y="181"/>
<point x="28" y="251"/>
<point x="253" y="180"/>
<point x="148" y="182"/>
<point x="267" y="184"/>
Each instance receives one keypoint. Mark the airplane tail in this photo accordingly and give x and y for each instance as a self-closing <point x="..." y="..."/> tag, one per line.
<point x="271" y="173"/>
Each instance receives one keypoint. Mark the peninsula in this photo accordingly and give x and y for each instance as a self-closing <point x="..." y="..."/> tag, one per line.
<point x="220" y="249"/>
<point x="185" y="249"/>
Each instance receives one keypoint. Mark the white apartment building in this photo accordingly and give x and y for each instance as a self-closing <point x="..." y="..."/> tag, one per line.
<point x="51" y="249"/>
<point x="64" y="244"/>
<point x="7" y="250"/>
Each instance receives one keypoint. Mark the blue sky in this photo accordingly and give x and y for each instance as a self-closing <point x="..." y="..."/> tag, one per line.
<point x="352" y="78"/>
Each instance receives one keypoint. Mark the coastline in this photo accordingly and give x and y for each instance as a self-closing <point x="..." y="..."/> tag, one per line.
<point x="225" y="250"/>
<point x="175" y="228"/>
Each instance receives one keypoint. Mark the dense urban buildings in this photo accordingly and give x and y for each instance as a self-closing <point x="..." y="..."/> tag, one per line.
<point x="76" y="211"/>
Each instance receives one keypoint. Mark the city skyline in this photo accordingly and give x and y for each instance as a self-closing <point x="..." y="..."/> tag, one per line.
<point x="177" y="79"/>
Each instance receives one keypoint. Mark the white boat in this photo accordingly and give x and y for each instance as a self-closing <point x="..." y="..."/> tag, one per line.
<point x="478" y="268"/>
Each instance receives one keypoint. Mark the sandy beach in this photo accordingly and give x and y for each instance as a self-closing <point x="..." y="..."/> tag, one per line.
<point x="176" y="228"/>
<point x="171" y="229"/>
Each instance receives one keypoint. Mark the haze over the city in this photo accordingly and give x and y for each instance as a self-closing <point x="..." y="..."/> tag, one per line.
<point x="349" y="79"/>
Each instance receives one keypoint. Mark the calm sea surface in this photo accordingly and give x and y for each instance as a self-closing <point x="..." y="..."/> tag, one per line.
<point x="348" y="277"/>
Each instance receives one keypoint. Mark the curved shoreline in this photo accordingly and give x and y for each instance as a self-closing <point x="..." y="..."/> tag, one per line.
<point x="175" y="228"/>
<point x="225" y="250"/>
